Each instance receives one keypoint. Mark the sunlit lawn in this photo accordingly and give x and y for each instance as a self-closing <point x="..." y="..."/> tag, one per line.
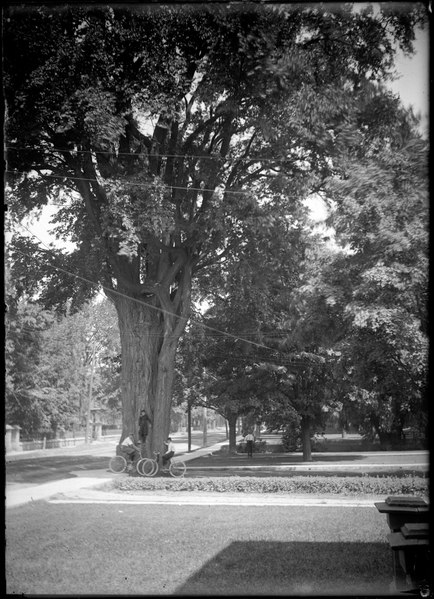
<point x="153" y="550"/>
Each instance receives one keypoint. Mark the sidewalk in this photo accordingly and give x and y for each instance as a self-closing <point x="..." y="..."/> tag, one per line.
<point x="107" y="447"/>
<point x="321" y="462"/>
<point x="113" y="497"/>
<point x="87" y="486"/>
<point x="18" y="494"/>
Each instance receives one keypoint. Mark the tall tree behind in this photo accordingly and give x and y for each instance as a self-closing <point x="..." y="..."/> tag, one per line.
<point x="367" y="298"/>
<point x="388" y="266"/>
<point x="48" y="362"/>
<point x="147" y="123"/>
<point x="25" y="324"/>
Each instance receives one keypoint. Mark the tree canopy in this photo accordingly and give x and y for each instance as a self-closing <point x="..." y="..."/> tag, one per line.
<point x="165" y="133"/>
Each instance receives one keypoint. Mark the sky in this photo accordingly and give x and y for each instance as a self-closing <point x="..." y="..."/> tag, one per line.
<point x="413" y="83"/>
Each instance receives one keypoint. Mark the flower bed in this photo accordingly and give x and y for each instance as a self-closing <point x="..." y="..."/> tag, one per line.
<point x="335" y="485"/>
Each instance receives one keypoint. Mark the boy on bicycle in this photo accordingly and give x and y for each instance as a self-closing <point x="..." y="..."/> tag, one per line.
<point x="170" y="451"/>
<point x="129" y="447"/>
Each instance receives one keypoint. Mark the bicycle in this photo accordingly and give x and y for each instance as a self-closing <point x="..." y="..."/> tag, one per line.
<point x="150" y="466"/>
<point x="119" y="463"/>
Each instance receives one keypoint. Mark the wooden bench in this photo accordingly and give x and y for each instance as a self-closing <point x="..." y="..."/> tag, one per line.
<point x="407" y="517"/>
<point x="411" y="548"/>
<point x="403" y="509"/>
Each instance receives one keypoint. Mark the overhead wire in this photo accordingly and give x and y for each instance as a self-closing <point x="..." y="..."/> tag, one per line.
<point x="29" y="333"/>
<point x="207" y="156"/>
<point x="131" y="183"/>
<point x="142" y="302"/>
<point x="276" y="360"/>
<point x="159" y="155"/>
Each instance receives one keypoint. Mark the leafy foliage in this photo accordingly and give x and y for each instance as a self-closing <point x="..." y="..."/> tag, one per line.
<point x="25" y="325"/>
<point x="375" y="292"/>
<point x="48" y="363"/>
<point x="92" y="81"/>
<point x="323" y="485"/>
<point x="170" y="136"/>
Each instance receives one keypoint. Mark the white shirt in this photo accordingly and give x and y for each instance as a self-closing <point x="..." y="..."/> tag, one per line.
<point x="170" y="446"/>
<point x="128" y="442"/>
<point x="250" y="437"/>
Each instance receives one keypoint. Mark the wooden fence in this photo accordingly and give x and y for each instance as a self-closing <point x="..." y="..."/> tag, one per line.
<point x="55" y="443"/>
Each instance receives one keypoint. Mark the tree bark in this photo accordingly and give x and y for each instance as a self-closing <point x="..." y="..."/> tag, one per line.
<point x="204" y="427"/>
<point x="232" y="422"/>
<point x="189" y="426"/>
<point x="305" y="437"/>
<point x="148" y="359"/>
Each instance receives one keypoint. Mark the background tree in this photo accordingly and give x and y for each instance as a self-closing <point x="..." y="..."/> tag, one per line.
<point x="388" y="306"/>
<point x="248" y="295"/>
<point x="25" y="324"/>
<point x="190" y="375"/>
<point x="224" y="374"/>
<point x="146" y="124"/>
<point x="372" y="293"/>
<point x="48" y="363"/>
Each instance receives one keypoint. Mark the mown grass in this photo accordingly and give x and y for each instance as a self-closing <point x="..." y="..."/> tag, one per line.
<point x="330" y="485"/>
<point x="126" y="549"/>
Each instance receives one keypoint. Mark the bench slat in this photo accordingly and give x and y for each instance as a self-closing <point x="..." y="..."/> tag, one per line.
<point x="398" y="541"/>
<point x="415" y="530"/>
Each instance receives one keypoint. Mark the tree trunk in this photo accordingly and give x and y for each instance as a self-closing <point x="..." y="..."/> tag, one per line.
<point x="189" y="426"/>
<point x="305" y="437"/>
<point x="148" y="360"/>
<point x="232" y="422"/>
<point x="88" y="436"/>
<point x="375" y="423"/>
<point x="204" y="427"/>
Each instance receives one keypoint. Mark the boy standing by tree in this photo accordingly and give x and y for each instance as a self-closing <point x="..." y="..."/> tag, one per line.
<point x="144" y="422"/>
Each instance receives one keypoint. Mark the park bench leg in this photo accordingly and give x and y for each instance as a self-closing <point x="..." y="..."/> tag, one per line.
<point x="399" y="582"/>
<point x="410" y="569"/>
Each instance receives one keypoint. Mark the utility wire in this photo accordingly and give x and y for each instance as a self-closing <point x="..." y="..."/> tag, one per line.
<point x="217" y="332"/>
<point x="147" y="155"/>
<point x="161" y="310"/>
<point x="129" y="183"/>
<point x="28" y="331"/>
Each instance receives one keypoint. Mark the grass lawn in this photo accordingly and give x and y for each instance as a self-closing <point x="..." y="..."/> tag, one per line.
<point x="156" y="550"/>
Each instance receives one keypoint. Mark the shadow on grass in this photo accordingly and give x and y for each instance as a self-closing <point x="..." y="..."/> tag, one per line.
<point x="294" y="568"/>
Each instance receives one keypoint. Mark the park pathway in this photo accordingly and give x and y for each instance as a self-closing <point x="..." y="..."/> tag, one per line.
<point x="96" y="485"/>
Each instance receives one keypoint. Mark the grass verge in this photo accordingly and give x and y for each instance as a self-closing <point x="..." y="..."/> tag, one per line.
<point x="88" y="549"/>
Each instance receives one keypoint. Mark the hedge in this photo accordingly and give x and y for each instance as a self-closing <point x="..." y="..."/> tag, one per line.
<point x="349" y="485"/>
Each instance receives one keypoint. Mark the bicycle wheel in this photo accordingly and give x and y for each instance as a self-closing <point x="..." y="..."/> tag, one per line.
<point x="147" y="467"/>
<point x="118" y="464"/>
<point x="177" y="469"/>
<point x="139" y="465"/>
<point x="147" y="463"/>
